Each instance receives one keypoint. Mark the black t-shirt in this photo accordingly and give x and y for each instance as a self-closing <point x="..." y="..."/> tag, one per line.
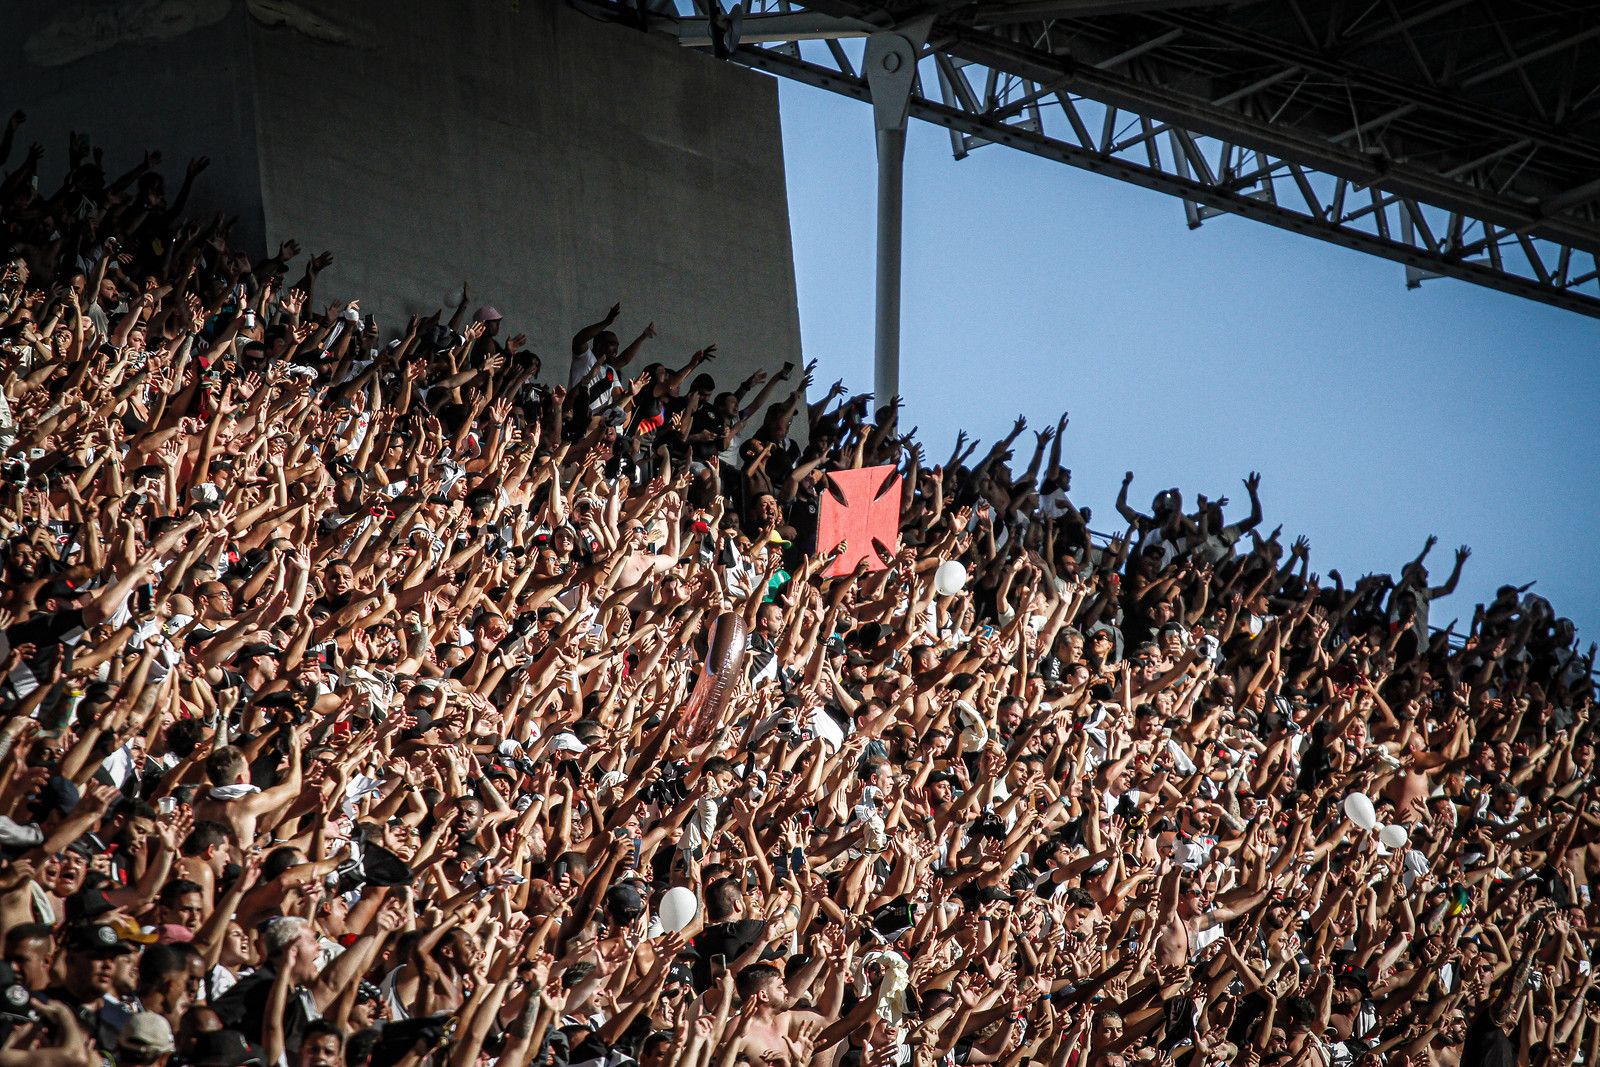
<point x="677" y="444"/>
<point x="90" y="1020"/>
<point x="47" y="631"/>
<point x="729" y="940"/>
<point x="335" y="604"/>
<point x="244" y="1007"/>
<point x="780" y="461"/>
<point x="802" y="514"/>
<point x="708" y="419"/>
<point x="1487" y="1045"/>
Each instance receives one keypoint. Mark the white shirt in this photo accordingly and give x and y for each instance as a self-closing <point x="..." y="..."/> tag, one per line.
<point x="582" y="364"/>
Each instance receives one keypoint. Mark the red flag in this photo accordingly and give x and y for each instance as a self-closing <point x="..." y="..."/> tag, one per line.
<point x="859" y="506"/>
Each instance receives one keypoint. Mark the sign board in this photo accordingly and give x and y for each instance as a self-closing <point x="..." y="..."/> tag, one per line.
<point x="859" y="506"/>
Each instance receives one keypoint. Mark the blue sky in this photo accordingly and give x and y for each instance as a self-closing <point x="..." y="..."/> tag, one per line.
<point x="1375" y="414"/>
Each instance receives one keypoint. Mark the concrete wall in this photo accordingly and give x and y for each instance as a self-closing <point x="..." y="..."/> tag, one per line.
<point x="131" y="75"/>
<point x="556" y="163"/>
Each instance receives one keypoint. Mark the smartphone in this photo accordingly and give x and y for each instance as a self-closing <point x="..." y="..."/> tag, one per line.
<point x="719" y="964"/>
<point x="341" y="728"/>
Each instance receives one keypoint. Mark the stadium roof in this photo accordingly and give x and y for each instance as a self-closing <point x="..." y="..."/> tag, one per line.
<point x="1458" y="137"/>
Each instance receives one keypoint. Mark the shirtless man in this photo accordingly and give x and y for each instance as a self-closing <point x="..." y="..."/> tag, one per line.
<point x="769" y="1029"/>
<point x="1444" y="1048"/>
<point x="233" y="801"/>
<point x="435" y="974"/>
<point x="641" y="562"/>
<point x="205" y="856"/>
<point x="625" y="910"/>
<point x="1187" y="925"/>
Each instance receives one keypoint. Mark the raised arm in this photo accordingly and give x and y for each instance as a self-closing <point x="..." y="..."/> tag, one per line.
<point x="585" y="337"/>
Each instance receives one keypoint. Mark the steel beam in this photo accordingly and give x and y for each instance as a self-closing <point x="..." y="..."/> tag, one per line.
<point x="1275" y="139"/>
<point x="1252" y="151"/>
<point x="1217" y="197"/>
<point x="1458" y="108"/>
<point x="1045" y="10"/>
<point x="786" y="26"/>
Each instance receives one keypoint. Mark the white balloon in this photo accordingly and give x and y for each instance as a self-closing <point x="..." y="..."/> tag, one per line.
<point x="950" y="578"/>
<point x="677" y="909"/>
<point x="1359" y="807"/>
<point x="1394" y="836"/>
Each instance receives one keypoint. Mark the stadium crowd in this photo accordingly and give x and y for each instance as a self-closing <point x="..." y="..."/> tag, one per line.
<point x="360" y="707"/>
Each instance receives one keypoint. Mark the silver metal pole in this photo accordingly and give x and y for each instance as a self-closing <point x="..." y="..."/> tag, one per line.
<point x="886" y="334"/>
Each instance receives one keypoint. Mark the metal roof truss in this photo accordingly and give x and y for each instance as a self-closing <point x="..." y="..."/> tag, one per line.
<point x="1456" y="137"/>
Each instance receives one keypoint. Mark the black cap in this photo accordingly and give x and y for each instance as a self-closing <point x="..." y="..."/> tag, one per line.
<point x="994" y="892"/>
<point x="623" y="902"/>
<point x="95" y="939"/>
<point x="87" y="904"/>
<point x="14" y="996"/>
<point x="1356" y="976"/>
<point x="88" y="846"/>
<point x="56" y="590"/>
<point x="224" y="1048"/>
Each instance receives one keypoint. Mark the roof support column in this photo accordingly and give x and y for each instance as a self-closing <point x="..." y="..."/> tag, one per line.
<point x="890" y="66"/>
<point x="886" y="325"/>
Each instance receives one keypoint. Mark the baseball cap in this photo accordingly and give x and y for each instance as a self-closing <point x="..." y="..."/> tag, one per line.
<point x="14" y="996"/>
<point x="624" y="901"/>
<point x="56" y="590"/>
<point x="567" y="741"/>
<point x="486" y="314"/>
<point x="87" y="903"/>
<point x="224" y="1048"/>
<point x="97" y="940"/>
<point x="147" y="1034"/>
<point x="1356" y="976"/>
